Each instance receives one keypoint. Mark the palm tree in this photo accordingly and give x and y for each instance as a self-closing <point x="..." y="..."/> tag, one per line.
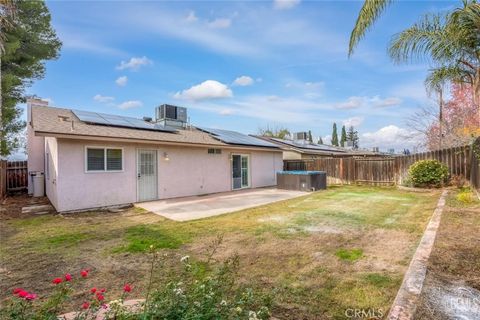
<point x="369" y="13"/>
<point x="450" y="42"/>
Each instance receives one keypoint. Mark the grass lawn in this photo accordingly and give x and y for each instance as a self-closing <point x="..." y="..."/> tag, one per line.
<point x="347" y="247"/>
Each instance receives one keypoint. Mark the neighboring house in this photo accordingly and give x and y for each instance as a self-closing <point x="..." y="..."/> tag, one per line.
<point x="302" y="149"/>
<point x="95" y="160"/>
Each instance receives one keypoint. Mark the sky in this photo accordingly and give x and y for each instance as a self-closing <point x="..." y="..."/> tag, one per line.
<point x="239" y="65"/>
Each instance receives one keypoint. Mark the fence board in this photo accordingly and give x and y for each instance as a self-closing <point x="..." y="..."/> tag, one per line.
<point x="391" y="170"/>
<point x="16" y="176"/>
<point x="3" y="179"/>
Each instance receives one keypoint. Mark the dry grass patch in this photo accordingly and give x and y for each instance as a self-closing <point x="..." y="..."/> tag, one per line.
<point x="290" y="248"/>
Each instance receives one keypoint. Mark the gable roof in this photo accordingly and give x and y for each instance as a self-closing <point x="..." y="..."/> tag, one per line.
<point x="50" y="121"/>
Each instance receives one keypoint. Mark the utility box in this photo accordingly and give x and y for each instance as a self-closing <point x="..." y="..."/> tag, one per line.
<point x="38" y="179"/>
<point x="302" y="180"/>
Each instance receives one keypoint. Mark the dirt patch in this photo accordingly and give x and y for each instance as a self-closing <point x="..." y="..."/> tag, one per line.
<point x="11" y="207"/>
<point x="386" y="250"/>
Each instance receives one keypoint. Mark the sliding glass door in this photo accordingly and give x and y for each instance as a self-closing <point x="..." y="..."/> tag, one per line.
<point x="240" y="171"/>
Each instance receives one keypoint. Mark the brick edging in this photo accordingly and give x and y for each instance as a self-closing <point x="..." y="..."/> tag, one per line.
<point x="405" y="304"/>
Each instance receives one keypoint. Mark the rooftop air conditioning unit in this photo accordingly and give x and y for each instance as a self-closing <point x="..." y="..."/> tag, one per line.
<point x="300" y="136"/>
<point x="170" y="115"/>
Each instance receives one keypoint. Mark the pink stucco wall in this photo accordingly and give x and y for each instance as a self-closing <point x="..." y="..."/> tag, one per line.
<point x="51" y="170"/>
<point x="189" y="171"/>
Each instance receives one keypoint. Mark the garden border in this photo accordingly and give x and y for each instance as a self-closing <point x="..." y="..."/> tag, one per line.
<point x="405" y="304"/>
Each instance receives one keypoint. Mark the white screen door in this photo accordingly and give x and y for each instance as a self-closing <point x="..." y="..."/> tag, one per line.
<point x="240" y="171"/>
<point x="146" y="175"/>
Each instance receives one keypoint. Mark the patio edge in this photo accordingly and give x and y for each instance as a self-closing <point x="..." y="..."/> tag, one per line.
<point x="405" y="303"/>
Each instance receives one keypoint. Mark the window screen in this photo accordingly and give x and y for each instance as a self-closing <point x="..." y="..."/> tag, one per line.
<point x="95" y="159"/>
<point x="114" y="159"/>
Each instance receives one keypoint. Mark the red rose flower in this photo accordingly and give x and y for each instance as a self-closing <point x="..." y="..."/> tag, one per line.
<point x="22" y="294"/>
<point x="103" y="290"/>
<point x="84" y="273"/>
<point x="93" y="290"/>
<point x="68" y="277"/>
<point x="127" y="288"/>
<point x="57" y="280"/>
<point x="85" y="305"/>
<point x="17" y="290"/>
<point x="100" y="297"/>
<point x="31" y="296"/>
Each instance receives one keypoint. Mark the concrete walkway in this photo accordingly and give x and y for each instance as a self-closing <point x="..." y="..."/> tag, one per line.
<point x="198" y="207"/>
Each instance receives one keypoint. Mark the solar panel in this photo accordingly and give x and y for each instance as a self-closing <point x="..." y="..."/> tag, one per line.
<point x="312" y="146"/>
<point x="232" y="137"/>
<point x="119" y="121"/>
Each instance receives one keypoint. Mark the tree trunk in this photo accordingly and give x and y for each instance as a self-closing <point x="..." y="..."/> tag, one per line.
<point x="440" y="117"/>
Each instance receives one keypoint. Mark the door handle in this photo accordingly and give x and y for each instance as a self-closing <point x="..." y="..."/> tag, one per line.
<point x="138" y="175"/>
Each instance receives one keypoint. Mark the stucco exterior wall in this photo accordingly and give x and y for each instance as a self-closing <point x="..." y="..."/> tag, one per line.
<point x="51" y="170"/>
<point x="188" y="171"/>
<point x="78" y="189"/>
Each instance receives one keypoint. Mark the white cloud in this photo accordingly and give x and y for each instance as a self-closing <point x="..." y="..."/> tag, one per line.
<point x="130" y="104"/>
<point x="243" y="81"/>
<point x="387" y="102"/>
<point x="191" y="17"/>
<point x="355" y="102"/>
<point x="49" y="100"/>
<point x="353" y="121"/>
<point x="351" y="103"/>
<point x="219" y="23"/>
<point x="134" y="63"/>
<point x="226" y="112"/>
<point x="285" y="4"/>
<point x="274" y="109"/>
<point x="121" y="81"/>
<point x="209" y="89"/>
<point x="390" y="137"/>
<point x="103" y="99"/>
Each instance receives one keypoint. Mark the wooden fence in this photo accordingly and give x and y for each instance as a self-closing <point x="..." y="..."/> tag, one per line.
<point x="388" y="170"/>
<point x="3" y="179"/>
<point x="13" y="177"/>
<point x="475" y="166"/>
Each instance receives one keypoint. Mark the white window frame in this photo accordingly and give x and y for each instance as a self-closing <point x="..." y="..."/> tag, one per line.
<point x="104" y="159"/>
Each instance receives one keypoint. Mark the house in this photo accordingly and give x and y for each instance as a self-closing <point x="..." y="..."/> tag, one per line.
<point x="302" y="149"/>
<point x="93" y="160"/>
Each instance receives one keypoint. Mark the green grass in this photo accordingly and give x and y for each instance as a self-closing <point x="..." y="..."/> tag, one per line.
<point x="349" y="254"/>
<point x="311" y="251"/>
<point x="66" y="239"/>
<point x="140" y="238"/>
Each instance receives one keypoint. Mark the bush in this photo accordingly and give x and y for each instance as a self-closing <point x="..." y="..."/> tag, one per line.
<point x="465" y="196"/>
<point x="428" y="173"/>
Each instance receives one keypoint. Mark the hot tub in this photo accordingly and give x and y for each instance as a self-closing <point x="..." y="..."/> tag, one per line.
<point x="302" y="180"/>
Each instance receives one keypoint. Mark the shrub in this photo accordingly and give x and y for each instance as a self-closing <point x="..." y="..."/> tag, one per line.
<point x="200" y="291"/>
<point x="428" y="173"/>
<point x="465" y="197"/>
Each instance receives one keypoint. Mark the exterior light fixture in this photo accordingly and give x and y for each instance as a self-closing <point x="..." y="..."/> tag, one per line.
<point x="165" y="156"/>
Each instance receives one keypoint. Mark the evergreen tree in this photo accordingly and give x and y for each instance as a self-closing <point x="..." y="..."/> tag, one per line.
<point x="310" y="138"/>
<point x="352" y="135"/>
<point x="320" y="140"/>
<point x="28" y="40"/>
<point x="343" y="137"/>
<point x="334" y="135"/>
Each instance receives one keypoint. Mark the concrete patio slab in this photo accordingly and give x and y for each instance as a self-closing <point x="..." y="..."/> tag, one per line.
<point x="198" y="207"/>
